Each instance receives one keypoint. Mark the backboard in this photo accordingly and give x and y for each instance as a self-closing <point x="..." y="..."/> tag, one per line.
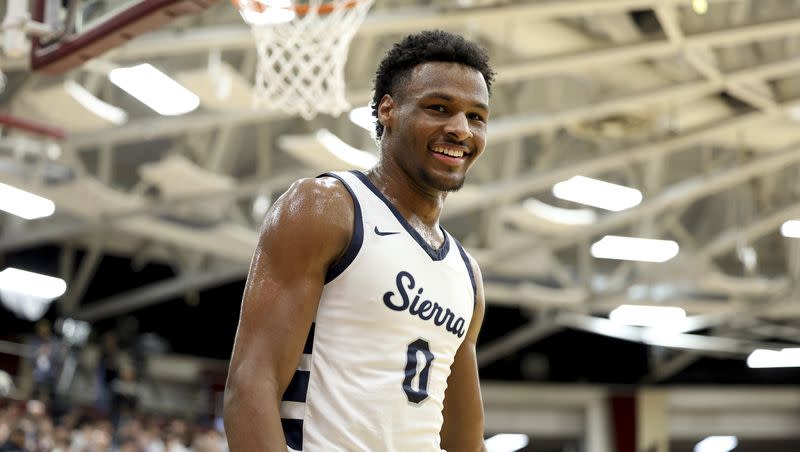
<point x="86" y="29"/>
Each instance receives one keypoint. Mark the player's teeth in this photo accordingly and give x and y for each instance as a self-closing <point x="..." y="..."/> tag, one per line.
<point x="449" y="152"/>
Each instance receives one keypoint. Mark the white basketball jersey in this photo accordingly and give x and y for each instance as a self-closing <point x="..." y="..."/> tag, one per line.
<point x="392" y="315"/>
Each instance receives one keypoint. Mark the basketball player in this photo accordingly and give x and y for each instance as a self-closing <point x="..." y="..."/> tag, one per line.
<point x="360" y="313"/>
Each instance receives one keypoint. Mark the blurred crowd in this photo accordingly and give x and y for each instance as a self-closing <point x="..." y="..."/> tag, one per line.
<point x="27" y="426"/>
<point x="46" y="420"/>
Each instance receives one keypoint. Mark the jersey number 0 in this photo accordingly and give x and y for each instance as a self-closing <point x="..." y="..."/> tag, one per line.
<point x="420" y="394"/>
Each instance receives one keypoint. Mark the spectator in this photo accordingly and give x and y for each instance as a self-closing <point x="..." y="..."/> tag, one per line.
<point x="108" y="370"/>
<point x="46" y="357"/>
<point x="61" y="439"/>
<point x="16" y="441"/>
<point x="26" y="426"/>
<point x="124" y="394"/>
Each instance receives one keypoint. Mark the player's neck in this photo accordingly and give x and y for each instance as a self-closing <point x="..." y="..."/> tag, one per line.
<point x="414" y="202"/>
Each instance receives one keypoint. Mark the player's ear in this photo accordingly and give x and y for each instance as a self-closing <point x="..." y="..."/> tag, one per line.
<point x="386" y="111"/>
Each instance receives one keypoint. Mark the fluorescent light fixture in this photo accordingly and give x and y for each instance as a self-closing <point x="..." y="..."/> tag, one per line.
<point x="791" y="229"/>
<point x="276" y="3"/>
<point x="634" y="249"/>
<point x="506" y="442"/>
<point x="260" y="206"/>
<point x="29" y="283"/>
<point x="24" y="306"/>
<point x="717" y="444"/>
<point x="763" y="358"/>
<point x="791" y="352"/>
<point x="271" y="13"/>
<point x="101" y="109"/>
<point x="344" y="152"/>
<point x="24" y="204"/>
<point x="76" y="332"/>
<point x="597" y="193"/>
<point x="362" y="117"/>
<point x="700" y="6"/>
<point x="155" y="89"/>
<point x="323" y="149"/>
<point x="573" y="217"/>
<point x="653" y="316"/>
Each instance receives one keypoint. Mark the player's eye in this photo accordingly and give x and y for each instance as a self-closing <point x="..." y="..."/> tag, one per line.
<point x="437" y="107"/>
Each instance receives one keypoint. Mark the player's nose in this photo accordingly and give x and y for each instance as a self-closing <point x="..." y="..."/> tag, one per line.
<point x="457" y="127"/>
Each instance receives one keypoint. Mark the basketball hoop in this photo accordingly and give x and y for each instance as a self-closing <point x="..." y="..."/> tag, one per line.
<point x="302" y="51"/>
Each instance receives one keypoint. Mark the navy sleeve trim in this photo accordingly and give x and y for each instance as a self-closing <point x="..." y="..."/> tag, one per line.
<point x="309" y="347"/>
<point x="297" y="389"/>
<point x="469" y="270"/>
<point x="293" y="432"/>
<point x="356" y="240"/>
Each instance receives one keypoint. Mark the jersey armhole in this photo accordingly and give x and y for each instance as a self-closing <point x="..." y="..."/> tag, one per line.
<point x="469" y="270"/>
<point x="356" y="240"/>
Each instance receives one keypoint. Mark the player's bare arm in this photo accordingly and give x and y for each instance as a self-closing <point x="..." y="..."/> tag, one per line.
<point x="462" y="430"/>
<point x="305" y="231"/>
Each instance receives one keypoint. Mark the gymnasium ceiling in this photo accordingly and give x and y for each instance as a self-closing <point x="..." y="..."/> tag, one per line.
<point x="698" y="112"/>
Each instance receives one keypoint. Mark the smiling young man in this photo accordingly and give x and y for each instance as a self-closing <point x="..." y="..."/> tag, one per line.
<point x="361" y="313"/>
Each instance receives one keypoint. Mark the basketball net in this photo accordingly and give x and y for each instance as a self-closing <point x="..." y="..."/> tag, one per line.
<point x="301" y="61"/>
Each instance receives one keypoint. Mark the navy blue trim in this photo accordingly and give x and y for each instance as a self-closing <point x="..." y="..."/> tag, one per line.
<point x="469" y="270"/>
<point x="309" y="347"/>
<point x="435" y="254"/>
<point x="355" y="241"/>
<point x="298" y="387"/>
<point x="293" y="431"/>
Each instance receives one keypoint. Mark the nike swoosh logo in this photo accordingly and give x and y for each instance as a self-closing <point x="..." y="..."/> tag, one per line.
<point x="384" y="233"/>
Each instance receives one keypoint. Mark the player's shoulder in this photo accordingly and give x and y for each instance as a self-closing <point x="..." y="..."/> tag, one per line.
<point x="319" y="195"/>
<point x="312" y="213"/>
<point x="321" y="202"/>
<point x="325" y="188"/>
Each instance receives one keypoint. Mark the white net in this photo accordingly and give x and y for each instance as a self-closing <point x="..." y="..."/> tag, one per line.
<point x="301" y="62"/>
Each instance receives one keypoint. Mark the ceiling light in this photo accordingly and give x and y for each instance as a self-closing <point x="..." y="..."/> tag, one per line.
<point x="558" y="215"/>
<point x="34" y="284"/>
<point x="276" y="3"/>
<point x="362" y="117"/>
<point x="506" y="442"/>
<point x="791" y="352"/>
<point x="653" y="316"/>
<point x="24" y="204"/>
<point x="76" y="332"/>
<point x="101" y="109"/>
<point x="269" y="12"/>
<point x="155" y="89"/>
<point x="634" y="249"/>
<point x="717" y="444"/>
<point x="219" y="85"/>
<point x="261" y="205"/>
<point x="324" y="150"/>
<point x="763" y="358"/>
<point x="791" y="229"/>
<point x="344" y="152"/>
<point x="700" y="6"/>
<point x="597" y="193"/>
<point x="269" y="16"/>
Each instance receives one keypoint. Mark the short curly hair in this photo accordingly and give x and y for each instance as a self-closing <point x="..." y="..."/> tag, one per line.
<point x="423" y="47"/>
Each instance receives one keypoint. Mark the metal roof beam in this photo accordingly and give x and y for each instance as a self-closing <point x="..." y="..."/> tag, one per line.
<point x="142" y="297"/>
